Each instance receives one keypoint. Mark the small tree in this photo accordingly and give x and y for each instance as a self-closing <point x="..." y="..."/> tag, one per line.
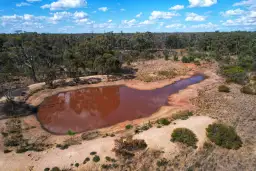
<point x="166" y="54"/>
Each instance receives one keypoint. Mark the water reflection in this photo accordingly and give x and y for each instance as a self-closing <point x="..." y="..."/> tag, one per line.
<point x="99" y="107"/>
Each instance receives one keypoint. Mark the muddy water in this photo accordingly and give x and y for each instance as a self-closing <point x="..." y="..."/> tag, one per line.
<point x="99" y="107"/>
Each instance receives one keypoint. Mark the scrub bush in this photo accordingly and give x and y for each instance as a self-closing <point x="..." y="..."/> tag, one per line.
<point x="163" y="121"/>
<point x="185" y="136"/>
<point x="184" y="115"/>
<point x="96" y="158"/>
<point x="128" y="126"/>
<point x="224" y="136"/>
<point x="224" y="88"/>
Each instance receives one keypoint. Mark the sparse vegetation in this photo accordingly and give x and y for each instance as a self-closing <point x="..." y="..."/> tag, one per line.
<point x="14" y="140"/>
<point x="224" y="88"/>
<point x="185" y="136"/>
<point x="224" y="136"/>
<point x="184" y="115"/>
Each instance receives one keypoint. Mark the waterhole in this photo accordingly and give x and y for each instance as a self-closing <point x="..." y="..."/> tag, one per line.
<point x="98" y="107"/>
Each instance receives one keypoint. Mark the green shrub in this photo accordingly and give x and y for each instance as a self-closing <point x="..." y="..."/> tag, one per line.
<point x="197" y="63"/>
<point x="163" y="121"/>
<point x="146" y="126"/>
<point x="70" y="132"/>
<point x="207" y="145"/>
<point x="93" y="153"/>
<point x="184" y="59"/>
<point x="185" y="136"/>
<point x="55" y="169"/>
<point x="47" y="169"/>
<point x="77" y="164"/>
<point x="184" y="115"/>
<point x="106" y="166"/>
<point x="62" y="147"/>
<point x="7" y="151"/>
<point x="162" y="162"/>
<point x="234" y="74"/>
<point x="175" y="58"/>
<point x="224" y="136"/>
<point x="247" y="89"/>
<point x="96" y="158"/>
<point x="108" y="158"/>
<point x="224" y="88"/>
<point x="189" y="59"/>
<point x="128" y="126"/>
<point x="87" y="159"/>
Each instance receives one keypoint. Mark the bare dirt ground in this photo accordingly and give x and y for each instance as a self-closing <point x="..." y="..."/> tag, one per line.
<point x="203" y="99"/>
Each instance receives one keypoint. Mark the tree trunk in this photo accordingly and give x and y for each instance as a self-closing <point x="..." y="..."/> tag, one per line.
<point x="33" y="74"/>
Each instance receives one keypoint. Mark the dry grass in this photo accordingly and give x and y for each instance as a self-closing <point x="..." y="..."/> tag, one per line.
<point x="237" y="110"/>
<point x="154" y="70"/>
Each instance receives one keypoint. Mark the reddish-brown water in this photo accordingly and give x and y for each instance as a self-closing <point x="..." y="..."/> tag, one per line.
<point x="99" y="107"/>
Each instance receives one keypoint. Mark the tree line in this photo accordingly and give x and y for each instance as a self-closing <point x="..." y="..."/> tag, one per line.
<point x="50" y="56"/>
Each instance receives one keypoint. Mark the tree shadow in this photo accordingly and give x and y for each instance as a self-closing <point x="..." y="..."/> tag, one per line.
<point x="16" y="109"/>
